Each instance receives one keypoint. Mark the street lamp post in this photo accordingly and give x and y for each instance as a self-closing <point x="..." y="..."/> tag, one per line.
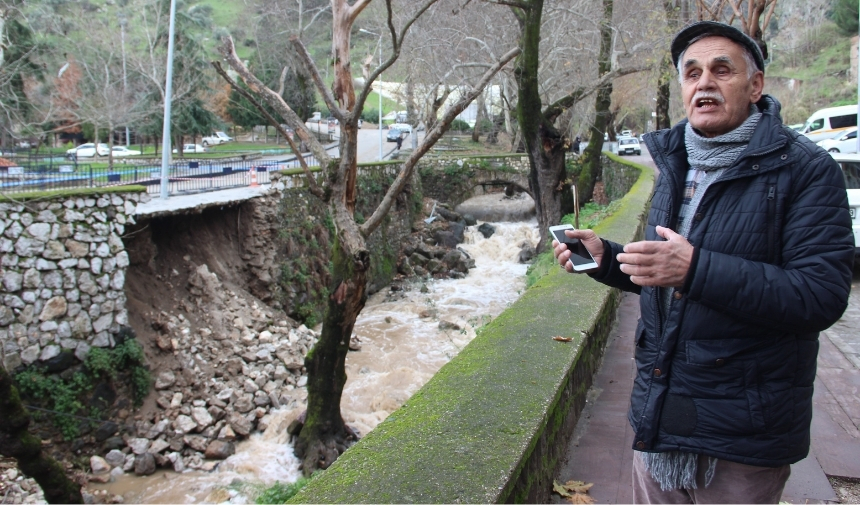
<point x="168" y="92"/>
<point x="379" y="91"/>
<point x="122" y="23"/>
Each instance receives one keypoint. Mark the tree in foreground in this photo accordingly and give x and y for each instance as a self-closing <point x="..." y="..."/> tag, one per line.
<point x="324" y="435"/>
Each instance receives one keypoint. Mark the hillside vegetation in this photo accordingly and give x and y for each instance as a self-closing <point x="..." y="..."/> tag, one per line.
<point x="820" y="65"/>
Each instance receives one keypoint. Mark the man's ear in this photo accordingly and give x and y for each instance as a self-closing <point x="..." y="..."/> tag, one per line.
<point x="757" y="82"/>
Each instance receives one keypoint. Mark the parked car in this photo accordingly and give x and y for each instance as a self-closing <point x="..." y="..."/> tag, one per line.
<point x="629" y="145"/>
<point x="215" y="139"/>
<point x="394" y="134"/>
<point x="87" y="150"/>
<point x="192" y="148"/>
<point x="850" y="164"/>
<point x="403" y="127"/>
<point x="120" y="151"/>
<point x="844" y="143"/>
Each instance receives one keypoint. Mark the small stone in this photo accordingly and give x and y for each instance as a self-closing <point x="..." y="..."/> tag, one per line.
<point x="157" y="446"/>
<point x="54" y="308"/>
<point x="98" y="465"/>
<point x="165" y="379"/>
<point x="175" y="401"/>
<point x="184" y="424"/>
<point x="201" y="416"/>
<point x="139" y="445"/>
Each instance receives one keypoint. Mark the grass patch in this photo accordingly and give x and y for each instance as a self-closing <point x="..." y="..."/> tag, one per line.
<point x="281" y="492"/>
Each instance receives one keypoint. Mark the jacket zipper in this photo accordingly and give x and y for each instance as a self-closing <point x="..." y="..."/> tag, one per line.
<point x="771" y="218"/>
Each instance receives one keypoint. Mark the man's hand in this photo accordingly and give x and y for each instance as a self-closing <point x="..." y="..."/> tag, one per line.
<point x="652" y="263"/>
<point x="589" y="239"/>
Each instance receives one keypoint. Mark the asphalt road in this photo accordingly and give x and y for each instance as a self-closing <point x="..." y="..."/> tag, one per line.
<point x="369" y="143"/>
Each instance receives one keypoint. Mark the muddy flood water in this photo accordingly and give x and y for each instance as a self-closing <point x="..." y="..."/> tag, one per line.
<point x="402" y="347"/>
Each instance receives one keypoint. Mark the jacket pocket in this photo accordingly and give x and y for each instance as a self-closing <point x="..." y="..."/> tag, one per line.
<point x="754" y="398"/>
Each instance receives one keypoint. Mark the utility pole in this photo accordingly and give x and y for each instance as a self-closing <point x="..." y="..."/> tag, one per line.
<point x="168" y="92"/>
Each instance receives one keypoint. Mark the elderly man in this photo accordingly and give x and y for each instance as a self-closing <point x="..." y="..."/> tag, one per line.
<point x="747" y="256"/>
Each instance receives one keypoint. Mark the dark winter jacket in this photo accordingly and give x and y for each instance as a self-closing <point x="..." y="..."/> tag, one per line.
<point x="728" y="371"/>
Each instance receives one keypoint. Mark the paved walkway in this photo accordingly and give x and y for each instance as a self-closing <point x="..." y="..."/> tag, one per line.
<point x="600" y="451"/>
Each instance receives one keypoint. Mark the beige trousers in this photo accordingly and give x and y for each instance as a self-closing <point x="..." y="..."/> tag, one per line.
<point x="732" y="483"/>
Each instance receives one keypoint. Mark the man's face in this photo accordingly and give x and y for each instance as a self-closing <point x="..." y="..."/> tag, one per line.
<point x="714" y="85"/>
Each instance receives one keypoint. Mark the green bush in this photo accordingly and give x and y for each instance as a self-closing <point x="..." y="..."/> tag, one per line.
<point x="370" y="115"/>
<point x="460" y="126"/>
<point x="66" y="393"/>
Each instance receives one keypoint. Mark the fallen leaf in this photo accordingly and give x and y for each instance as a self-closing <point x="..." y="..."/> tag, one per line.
<point x="574" y="491"/>
<point x="577" y="486"/>
<point x="580" y="498"/>
<point x="558" y="488"/>
<point x="562" y="339"/>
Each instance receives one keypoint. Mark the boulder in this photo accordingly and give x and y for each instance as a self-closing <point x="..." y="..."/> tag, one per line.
<point x="219" y="449"/>
<point x="115" y="458"/>
<point x="487" y="230"/>
<point x="144" y="464"/>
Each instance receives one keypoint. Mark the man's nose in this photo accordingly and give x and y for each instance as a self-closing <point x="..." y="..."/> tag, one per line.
<point x="706" y="80"/>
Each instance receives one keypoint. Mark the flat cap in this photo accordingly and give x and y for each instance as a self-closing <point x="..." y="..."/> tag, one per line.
<point x="707" y="28"/>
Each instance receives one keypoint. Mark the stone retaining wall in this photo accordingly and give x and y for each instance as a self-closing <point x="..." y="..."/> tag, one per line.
<point x="63" y="272"/>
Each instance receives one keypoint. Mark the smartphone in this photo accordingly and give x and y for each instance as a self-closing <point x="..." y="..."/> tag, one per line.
<point x="580" y="259"/>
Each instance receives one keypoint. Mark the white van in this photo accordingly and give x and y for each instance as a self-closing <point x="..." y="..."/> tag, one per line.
<point x="827" y="123"/>
<point x="850" y="164"/>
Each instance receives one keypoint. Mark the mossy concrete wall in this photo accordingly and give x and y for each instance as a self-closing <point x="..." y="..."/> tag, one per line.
<point x="491" y="425"/>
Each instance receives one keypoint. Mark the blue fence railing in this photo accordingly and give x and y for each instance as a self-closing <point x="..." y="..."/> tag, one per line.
<point x="190" y="176"/>
<point x="46" y="173"/>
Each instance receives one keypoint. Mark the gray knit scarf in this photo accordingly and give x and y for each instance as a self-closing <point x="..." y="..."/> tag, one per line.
<point x="675" y="469"/>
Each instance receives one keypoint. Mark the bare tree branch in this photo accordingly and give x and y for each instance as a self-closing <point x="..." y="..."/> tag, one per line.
<point x="228" y="51"/>
<point x="430" y="138"/>
<point x="312" y="183"/>
<point x="510" y="3"/>
<point x="308" y="62"/>
<point x="568" y="101"/>
<point x="396" y="42"/>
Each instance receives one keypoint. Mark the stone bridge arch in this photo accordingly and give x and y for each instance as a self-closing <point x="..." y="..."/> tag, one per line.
<point x="454" y="179"/>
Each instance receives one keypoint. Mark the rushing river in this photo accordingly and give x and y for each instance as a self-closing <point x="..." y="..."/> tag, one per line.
<point x="402" y="347"/>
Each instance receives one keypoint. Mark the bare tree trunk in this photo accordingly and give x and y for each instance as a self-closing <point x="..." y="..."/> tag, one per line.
<point x="16" y="442"/>
<point x="662" y="120"/>
<point x="545" y="146"/>
<point x="479" y="115"/>
<point x="592" y="169"/>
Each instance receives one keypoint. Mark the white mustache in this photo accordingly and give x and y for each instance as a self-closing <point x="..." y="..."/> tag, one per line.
<point x="713" y="95"/>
